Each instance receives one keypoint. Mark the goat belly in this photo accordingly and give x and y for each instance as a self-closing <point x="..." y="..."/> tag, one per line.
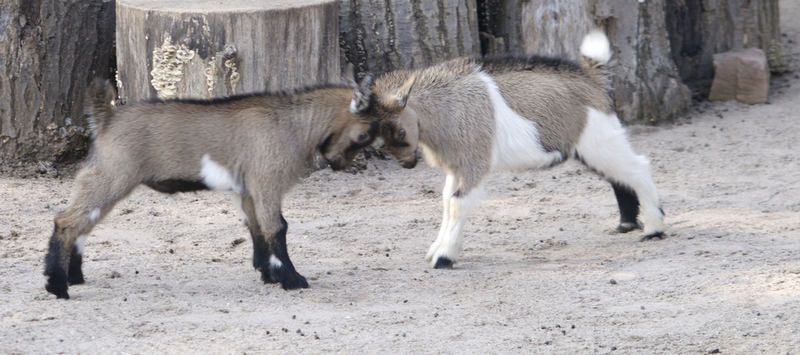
<point x="172" y="186"/>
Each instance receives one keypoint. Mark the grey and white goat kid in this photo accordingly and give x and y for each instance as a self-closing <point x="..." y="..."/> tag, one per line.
<point x="258" y="146"/>
<point x="471" y="117"/>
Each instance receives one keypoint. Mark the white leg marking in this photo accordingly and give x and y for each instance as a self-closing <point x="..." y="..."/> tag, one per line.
<point x="459" y="210"/>
<point x="94" y="215"/>
<point x="447" y="194"/>
<point x="217" y="177"/>
<point x="604" y="147"/>
<point x="516" y="141"/>
<point x="274" y="262"/>
<point x="79" y="244"/>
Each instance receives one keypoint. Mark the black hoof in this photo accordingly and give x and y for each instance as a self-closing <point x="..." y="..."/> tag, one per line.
<point x="289" y="280"/>
<point x="443" y="263"/>
<point x="294" y="282"/>
<point x="626" y="227"/>
<point x="659" y="235"/>
<point x="76" y="278"/>
<point x="57" y="284"/>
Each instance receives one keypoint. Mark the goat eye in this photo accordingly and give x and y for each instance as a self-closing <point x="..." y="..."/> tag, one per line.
<point x="401" y="134"/>
<point x="362" y="136"/>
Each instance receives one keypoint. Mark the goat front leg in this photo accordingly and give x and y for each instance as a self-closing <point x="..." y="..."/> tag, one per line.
<point x="447" y="194"/>
<point x="449" y="244"/>
<point x="268" y="229"/>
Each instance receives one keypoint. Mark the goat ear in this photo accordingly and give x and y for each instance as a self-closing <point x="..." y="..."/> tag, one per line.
<point x="401" y="96"/>
<point x="361" y="94"/>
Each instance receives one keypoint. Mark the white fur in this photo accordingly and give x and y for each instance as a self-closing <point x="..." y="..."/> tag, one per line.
<point x="596" y="46"/>
<point x="216" y="177"/>
<point x="274" y="262"/>
<point x="79" y="244"/>
<point x="429" y="155"/>
<point x="353" y="106"/>
<point x="516" y="141"/>
<point x="604" y="147"/>
<point x="457" y="210"/>
<point x="94" y="215"/>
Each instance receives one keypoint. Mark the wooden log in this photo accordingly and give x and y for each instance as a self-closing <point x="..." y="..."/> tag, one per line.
<point x="48" y="51"/>
<point x="644" y="77"/>
<point x="700" y="28"/>
<point x="207" y="48"/>
<point x="380" y="36"/>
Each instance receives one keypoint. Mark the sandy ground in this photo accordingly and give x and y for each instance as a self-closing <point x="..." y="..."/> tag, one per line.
<point x="541" y="271"/>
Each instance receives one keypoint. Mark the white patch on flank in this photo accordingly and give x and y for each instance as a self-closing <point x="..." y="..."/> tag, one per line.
<point x="595" y="46"/>
<point x="275" y="262"/>
<point x="94" y="215"/>
<point x="516" y="139"/>
<point x="604" y="147"/>
<point x="216" y="177"/>
<point x="79" y="244"/>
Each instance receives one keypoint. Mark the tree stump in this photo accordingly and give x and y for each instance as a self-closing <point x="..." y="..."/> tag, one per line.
<point x="700" y="28"/>
<point x="208" y="49"/>
<point x="381" y="36"/>
<point x="48" y="51"/>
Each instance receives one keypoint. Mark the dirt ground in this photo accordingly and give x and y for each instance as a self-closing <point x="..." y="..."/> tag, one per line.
<point x="542" y="271"/>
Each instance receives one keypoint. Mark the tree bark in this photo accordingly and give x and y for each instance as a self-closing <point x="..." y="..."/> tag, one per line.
<point x="207" y="49"/>
<point x="700" y="28"/>
<point x="644" y="77"/>
<point x="380" y="36"/>
<point x="48" y="51"/>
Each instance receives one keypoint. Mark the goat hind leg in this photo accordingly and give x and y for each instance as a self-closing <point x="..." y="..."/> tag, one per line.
<point x="604" y="147"/>
<point x="92" y="198"/>
<point x="628" y="208"/>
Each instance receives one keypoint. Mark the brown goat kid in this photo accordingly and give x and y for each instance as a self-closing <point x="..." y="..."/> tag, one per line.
<point x="258" y="146"/>
<point x="474" y="116"/>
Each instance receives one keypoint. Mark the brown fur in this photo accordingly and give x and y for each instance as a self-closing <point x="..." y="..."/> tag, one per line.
<point x="448" y="103"/>
<point x="436" y="114"/>
<point x="265" y="142"/>
<point x="555" y="96"/>
<point x="452" y="109"/>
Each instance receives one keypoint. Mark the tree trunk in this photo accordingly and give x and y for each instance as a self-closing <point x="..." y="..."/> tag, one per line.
<point x="700" y="28"/>
<point x="380" y="36"/>
<point x="644" y="77"/>
<point x="207" y="49"/>
<point x="48" y="51"/>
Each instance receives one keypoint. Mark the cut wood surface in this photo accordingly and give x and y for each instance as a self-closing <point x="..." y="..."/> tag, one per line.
<point x="208" y="49"/>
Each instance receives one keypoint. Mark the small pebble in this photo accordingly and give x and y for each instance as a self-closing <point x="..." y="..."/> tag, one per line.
<point x="612" y="281"/>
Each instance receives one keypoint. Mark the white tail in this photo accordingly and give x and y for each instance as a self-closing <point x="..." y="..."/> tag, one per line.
<point x="595" y="46"/>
